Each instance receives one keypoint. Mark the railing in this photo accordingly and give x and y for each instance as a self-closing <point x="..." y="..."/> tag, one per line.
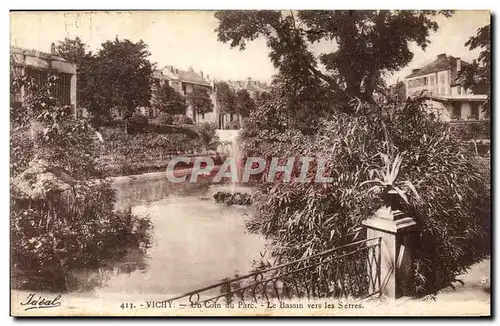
<point x="349" y="270"/>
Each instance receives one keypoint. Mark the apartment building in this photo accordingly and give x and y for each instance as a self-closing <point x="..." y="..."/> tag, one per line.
<point x="440" y="83"/>
<point x="188" y="83"/>
<point x="254" y="88"/>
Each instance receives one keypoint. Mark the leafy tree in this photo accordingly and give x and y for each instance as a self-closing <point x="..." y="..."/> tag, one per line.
<point x="126" y="70"/>
<point x="264" y="96"/>
<point x="121" y="77"/>
<point x="395" y="93"/>
<point x="226" y="98"/>
<point x="369" y="43"/>
<point x="207" y="133"/>
<point x="167" y="100"/>
<point x="244" y="103"/>
<point x="73" y="50"/>
<point x="116" y="77"/>
<point x="477" y="75"/>
<point x="297" y="106"/>
<point x="200" y="101"/>
<point x="400" y="91"/>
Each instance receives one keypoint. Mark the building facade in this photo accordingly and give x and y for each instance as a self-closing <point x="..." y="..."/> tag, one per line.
<point x="254" y="88"/>
<point x="39" y="65"/>
<point x="446" y="97"/>
<point x="191" y="84"/>
<point x="188" y="83"/>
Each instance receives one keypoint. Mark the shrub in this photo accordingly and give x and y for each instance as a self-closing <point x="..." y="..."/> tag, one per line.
<point x="60" y="220"/>
<point x="100" y="120"/>
<point x="164" y="119"/>
<point x="233" y="125"/>
<point x="181" y="119"/>
<point x="124" y="154"/>
<point x="50" y="238"/>
<point x="21" y="149"/>
<point x="467" y="130"/>
<point x="137" y="123"/>
<point x="301" y="219"/>
<point x="207" y="134"/>
<point x="244" y="121"/>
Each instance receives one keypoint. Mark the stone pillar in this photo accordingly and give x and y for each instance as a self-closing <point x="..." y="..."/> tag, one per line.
<point x="396" y="231"/>
<point x="73" y="92"/>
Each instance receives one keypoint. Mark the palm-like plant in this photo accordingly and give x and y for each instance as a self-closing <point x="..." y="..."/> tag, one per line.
<point x="386" y="179"/>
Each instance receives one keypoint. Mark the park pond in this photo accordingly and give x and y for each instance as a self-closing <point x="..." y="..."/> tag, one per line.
<point x="195" y="241"/>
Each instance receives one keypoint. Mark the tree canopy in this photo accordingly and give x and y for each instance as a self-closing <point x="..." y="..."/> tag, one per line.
<point x="244" y="103"/>
<point x="167" y="100"/>
<point x="364" y="44"/>
<point x="117" y="76"/>
<point x="226" y="98"/>
<point x="200" y="101"/>
<point x="477" y="75"/>
<point x="125" y="74"/>
<point x="74" y="50"/>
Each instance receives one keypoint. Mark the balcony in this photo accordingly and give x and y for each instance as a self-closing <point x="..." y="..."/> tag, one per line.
<point x="464" y="97"/>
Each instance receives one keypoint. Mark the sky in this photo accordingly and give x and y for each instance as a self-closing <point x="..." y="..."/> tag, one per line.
<point x="187" y="39"/>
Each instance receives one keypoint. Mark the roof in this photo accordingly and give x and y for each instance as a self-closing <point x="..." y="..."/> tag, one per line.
<point x="185" y="76"/>
<point x="441" y="63"/>
<point x="249" y="84"/>
<point x="192" y="77"/>
<point x="158" y="74"/>
<point x="35" y="53"/>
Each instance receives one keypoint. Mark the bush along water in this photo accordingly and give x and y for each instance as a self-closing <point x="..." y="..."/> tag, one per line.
<point x="448" y="194"/>
<point x="149" y="151"/>
<point x="60" y="221"/>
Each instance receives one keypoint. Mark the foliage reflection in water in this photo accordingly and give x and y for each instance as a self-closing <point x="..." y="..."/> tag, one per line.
<point x="195" y="241"/>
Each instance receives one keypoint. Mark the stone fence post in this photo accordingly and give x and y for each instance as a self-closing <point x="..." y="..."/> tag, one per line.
<point x="396" y="231"/>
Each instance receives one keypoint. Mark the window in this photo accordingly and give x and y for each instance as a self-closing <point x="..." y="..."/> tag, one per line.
<point x="459" y="90"/>
<point x="425" y="81"/>
<point x="474" y="111"/>
<point x="456" y="112"/>
<point x="432" y="80"/>
<point x="62" y="89"/>
<point x="442" y="90"/>
<point x="442" y="79"/>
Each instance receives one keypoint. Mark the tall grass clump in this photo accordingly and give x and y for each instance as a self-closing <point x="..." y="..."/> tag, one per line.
<point x="447" y="191"/>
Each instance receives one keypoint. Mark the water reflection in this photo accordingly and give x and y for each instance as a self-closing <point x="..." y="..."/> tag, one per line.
<point x="195" y="241"/>
<point x="139" y="191"/>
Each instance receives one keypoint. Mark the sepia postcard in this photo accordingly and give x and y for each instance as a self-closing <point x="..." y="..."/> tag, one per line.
<point x="250" y="163"/>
